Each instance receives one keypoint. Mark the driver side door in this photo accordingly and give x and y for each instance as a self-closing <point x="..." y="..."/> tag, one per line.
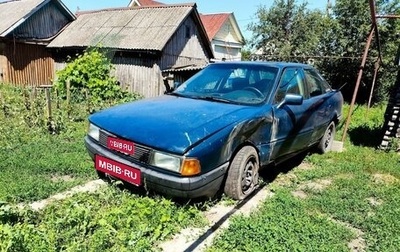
<point x="293" y="126"/>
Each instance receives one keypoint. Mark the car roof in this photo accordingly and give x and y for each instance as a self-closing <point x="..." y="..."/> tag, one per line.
<point x="277" y="64"/>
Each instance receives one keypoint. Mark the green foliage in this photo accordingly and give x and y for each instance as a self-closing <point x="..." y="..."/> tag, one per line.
<point x="283" y="31"/>
<point x="333" y="42"/>
<point x="35" y="164"/>
<point x="365" y="127"/>
<point x="110" y="220"/>
<point x="277" y="227"/>
<point x="90" y="80"/>
<point x="364" y="193"/>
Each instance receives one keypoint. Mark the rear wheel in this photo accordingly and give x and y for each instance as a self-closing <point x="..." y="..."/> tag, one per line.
<point x="325" y="144"/>
<point x="242" y="176"/>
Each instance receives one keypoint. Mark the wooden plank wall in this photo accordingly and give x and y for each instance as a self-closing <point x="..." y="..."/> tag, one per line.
<point x="44" y="24"/>
<point x="27" y="65"/>
<point x="184" y="48"/>
<point x="139" y="75"/>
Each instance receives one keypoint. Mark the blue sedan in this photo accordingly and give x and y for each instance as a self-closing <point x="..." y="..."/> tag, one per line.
<point x="216" y="130"/>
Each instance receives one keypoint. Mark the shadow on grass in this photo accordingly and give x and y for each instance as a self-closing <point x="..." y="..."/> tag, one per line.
<point x="365" y="136"/>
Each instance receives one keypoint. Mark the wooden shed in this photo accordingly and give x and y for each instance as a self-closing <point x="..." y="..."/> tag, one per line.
<point x="222" y="30"/>
<point x="147" y="44"/>
<point x="26" y="27"/>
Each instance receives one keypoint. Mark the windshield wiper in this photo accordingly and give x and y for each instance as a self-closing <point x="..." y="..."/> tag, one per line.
<point x="214" y="98"/>
<point x="178" y="95"/>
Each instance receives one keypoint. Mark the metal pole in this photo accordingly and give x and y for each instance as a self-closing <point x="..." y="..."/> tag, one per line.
<point x="377" y="65"/>
<point x="360" y="73"/>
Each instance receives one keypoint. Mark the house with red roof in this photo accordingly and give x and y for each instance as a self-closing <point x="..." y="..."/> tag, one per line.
<point x="224" y="34"/>
<point x="140" y="3"/>
<point x="222" y="30"/>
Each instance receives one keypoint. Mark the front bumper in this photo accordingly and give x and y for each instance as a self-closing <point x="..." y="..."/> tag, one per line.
<point x="184" y="187"/>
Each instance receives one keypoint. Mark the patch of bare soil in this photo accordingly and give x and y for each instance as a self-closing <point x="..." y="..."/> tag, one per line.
<point x="305" y="167"/>
<point x="299" y="194"/>
<point x="285" y="180"/>
<point x="358" y="243"/>
<point x="63" y="178"/>
<point x="318" y="185"/>
<point x="384" y="178"/>
<point x="90" y="186"/>
<point x="374" y="201"/>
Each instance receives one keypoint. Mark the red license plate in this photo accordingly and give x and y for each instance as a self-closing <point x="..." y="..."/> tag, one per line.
<point x="118" y="170"/>
<point x="120" y="145"/>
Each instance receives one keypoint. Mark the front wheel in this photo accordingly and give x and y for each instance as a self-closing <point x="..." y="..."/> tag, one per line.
<point x="325" y="144"/>
<point x="242" y="176"/>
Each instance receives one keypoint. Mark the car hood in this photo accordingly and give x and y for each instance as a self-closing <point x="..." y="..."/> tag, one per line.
<point x="170" y="123"/>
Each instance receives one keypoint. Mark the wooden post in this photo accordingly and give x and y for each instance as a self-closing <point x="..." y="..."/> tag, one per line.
<point x="48" y="102"/>
<point x="68" y="84"/>
<point x="33" y="94"/>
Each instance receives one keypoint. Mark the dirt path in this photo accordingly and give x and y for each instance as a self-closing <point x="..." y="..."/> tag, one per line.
<point x="219" y="216"/>
<point x="90" y="186"/>
<point x="192" y="239"/>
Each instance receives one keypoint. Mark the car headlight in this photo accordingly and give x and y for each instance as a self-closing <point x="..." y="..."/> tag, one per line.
<point x="94" y="132"/>
<point x="186" y="166"/>
<point x="166" y="161"/>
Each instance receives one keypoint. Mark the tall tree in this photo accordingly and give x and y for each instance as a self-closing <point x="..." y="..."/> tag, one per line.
<point x="286" y="31"/>
<point x="335" y="42"/>
<point x="389" y="29"/>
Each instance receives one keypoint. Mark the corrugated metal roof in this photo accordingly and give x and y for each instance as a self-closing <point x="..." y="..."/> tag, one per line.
<point x="213" y="23"/>
<point x="15" y="12"/>
<point x="127" y="28"/>
<point x="185" y="68"/>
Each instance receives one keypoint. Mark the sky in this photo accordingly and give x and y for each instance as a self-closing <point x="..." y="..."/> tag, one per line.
<point x="244" y="10"/>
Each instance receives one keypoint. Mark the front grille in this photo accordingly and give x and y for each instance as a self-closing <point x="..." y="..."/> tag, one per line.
<point x="142" y="153"/>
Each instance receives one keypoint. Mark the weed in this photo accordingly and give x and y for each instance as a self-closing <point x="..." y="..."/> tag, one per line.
<point x="107" y="220"/>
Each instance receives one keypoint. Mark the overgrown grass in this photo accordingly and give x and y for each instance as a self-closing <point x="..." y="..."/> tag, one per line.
<point x="109" y="220"/>
<point x="365" y="127"/>
<point x="361" y="191"/>
<point x="39" y="155"/>
<point x="39" y="159"/>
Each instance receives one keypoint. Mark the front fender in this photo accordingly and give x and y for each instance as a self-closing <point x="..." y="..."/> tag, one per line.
<point x="220" y="148"/>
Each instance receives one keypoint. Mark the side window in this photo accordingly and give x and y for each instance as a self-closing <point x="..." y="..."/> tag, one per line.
<point x="291" y="83"/>
<point x="315" y="83"/>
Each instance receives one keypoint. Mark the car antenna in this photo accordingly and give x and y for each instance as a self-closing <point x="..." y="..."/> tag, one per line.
<point x="339" y="89"/>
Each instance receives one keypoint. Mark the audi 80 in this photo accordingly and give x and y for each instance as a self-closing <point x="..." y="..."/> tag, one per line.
<point x="215" y="131"/>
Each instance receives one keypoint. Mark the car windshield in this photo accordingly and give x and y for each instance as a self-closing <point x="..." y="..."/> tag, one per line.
<point x="231" y="83"/>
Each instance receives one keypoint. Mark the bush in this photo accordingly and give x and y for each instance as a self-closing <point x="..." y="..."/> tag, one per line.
<point x="89" y="75"/>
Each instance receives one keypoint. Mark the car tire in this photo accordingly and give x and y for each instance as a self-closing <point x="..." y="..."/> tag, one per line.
<point x="242" y="176"/>
<point x="325" y="144"/>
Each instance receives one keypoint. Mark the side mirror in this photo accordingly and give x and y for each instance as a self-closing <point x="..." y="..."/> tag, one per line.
<point x="291" y="99"/>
